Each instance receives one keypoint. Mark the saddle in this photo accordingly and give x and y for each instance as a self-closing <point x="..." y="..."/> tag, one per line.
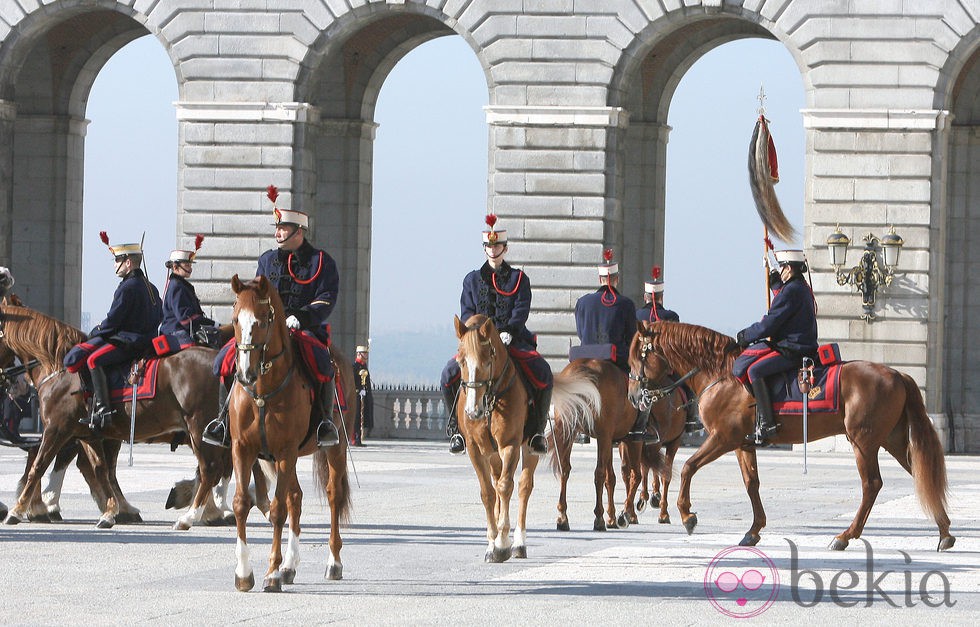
<point x="821" y="385"/>
<point x="142" y="373"/>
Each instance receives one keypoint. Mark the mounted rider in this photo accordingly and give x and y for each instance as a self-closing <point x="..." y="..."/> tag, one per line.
<point x="124" y="335"/>
<point x="503" y="294"/>
<point x="308" y="283"/>
<point x="778" y="342"/>
<point x="653" y="309"/>
<point x="182" y="312"/>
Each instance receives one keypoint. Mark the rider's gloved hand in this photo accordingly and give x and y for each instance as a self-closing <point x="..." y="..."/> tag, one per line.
<point x="292" y="322"/>
<point x="506" y="338"/>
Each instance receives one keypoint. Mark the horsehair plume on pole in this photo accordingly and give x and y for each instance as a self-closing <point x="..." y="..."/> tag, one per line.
<point x="763" y="175"/>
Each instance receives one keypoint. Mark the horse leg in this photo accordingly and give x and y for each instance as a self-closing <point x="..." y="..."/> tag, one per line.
<point x="563" y="451"/>
<point x="202" y="506"/>
<point x="28" y="503"/>
<point x="261" y="490"/>
<point x="666" y="474"/>
<point x="749" y="464"/>
<point x="641" y="502"/>
<point x="488" y="495"/>
<point x="97" y="457"/>
<point x="286" y="473"/>
<point x="294" y="505"/>
<point x="524" y="488"/>
<point x="128" y="513"/>
<point x="603" y="451"/>
<point x="37" y="509"/>
<point x="867" y="463"/>
<point x="630" y="453"/>
<point x="51" y="493"/>
<point x="609" y="481"/>
<point x="711" y="449"/>
<point x="502" y="546"/>
<point x="338" y="495"/>
<point x="242" y="460"/>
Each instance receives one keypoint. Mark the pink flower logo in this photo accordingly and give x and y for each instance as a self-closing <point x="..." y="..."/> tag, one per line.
<point x="741" y="582"/>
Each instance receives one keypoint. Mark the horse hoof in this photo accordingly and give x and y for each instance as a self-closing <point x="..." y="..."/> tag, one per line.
<point x="664" y="520"/>
<point x="622" y="522"/>
<point x="288" y="576"/>
<point x="497" y="556"/>
<point x="633" y="519"/>
<point x="749" y="539"/>
<point x="128" y="518"/>
<point x="180" y="525"/>
<point x="229" y="519"/>
<point x="563" y="526"/>
<point x="39" y="518"/>
<point x="520" y="552"/>
<point x="11" y="520"/>
<point x="172" y="499"/>
<point x="837" y="545"/>
<point x="599" y="525"/>
<point x="55" y="517"/>
<point x="105" y="523"/>
<point x="691" y="523"/>
<point x="946" y="543"/>
<point x="272" y="583"/>
<point x="335" y="572"/>
<point x="244" y="584"/>
<point x="641" y="506"/>
<point x="655" y="500"/>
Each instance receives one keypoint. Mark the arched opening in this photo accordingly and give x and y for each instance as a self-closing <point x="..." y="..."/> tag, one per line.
<point x="683" y="182"/>
<point x="960" y="383"/>
<point x="130" y="186"/>
<point x="339" y="153"/>
<point x="47" y="78"/>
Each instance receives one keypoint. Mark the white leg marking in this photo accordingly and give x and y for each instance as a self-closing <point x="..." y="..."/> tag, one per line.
<point x="191" y="517"/>
<point x="220" y="494"/>
<point x="51" y="495"/>
<point x="520" y="537"/>
<point x="291" y="560"/>
<point x="243" y="569"/>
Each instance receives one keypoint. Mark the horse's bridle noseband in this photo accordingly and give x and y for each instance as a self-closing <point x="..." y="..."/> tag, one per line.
<point x="494" y="391"/>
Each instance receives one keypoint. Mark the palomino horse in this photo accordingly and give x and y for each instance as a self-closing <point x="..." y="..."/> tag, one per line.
<point x="879" y="407"/>
<point x="185" y="401"/>
<point x="492" y="411"/>
<point x="610" y="425"/>
<point x="269" y="411"/>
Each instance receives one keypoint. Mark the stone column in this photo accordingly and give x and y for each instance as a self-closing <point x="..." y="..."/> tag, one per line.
<point x="8" y="113"/>
<point x="551" y="169"/>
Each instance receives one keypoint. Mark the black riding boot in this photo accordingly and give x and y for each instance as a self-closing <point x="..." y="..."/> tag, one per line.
<point x="326" y="431"/>
<point x="542" y="405"/>
<point x="766" y="424"/>
<point x="638" y="433"/>
<point x="457" y="445"/>
<point x="102" y="412"/>
<point x="216" y="433"/>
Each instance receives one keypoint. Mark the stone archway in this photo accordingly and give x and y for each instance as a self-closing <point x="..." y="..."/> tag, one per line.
<point x="47" y="73"/>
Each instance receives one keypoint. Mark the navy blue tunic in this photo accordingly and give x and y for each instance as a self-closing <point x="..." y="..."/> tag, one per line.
<point x="791" y="324"/>
<point x="134" y="316"/>
<point x="606" y="317"/>
<point x="647" y="313"/>
<point x="307" y="281"/>
<point x="181" y="308"/>
<point x="504" y="297"/>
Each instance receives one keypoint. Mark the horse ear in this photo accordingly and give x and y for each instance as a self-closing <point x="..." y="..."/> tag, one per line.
<point x="262" y="286"/>
<point x="486" y="328"/>
<point x="236" y="284"/>
<point x="460" y="327"/>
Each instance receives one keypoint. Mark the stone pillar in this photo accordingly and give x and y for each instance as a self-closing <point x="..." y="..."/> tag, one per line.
<point x="46" y="245"/>
<point x="643" y="192"/>
<point x="550" y="170"/>
<point x="8" y="113"/>
<point x="869" y="170"/>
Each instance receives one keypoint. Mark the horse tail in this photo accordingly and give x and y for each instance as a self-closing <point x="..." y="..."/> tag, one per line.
<point x="321" y="467"/>
<point x="925" y="455"/>
<point x="575" y="402"/>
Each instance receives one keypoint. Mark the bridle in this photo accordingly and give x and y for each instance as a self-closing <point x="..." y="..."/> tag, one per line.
<point x="264" y="363"/>
<point x="493" y="384"/>
<point x="649" y="392"/>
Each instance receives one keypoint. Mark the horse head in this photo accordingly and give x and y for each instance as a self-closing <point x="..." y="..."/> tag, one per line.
<point x="479" y="344"/>
<point x="647" y="365"/>
<point x="260" y="327"/>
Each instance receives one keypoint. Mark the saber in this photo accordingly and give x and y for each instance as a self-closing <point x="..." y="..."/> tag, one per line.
<point x="806" y="384"/>
<point x="132" y="424"/>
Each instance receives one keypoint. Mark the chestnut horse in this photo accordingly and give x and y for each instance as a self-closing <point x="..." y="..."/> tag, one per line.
<point x="879" y="407"/>
<point x="492" y="411"/>
<point x="607" y="427"/>
<point x="186" y="400"/>
<point x="269" y="415"/>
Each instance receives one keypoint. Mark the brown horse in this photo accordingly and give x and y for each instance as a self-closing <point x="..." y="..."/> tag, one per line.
<point x="879" y="407"/>
<point x="186" y="400"/>
<point x="610" y="425"/>
<point x="492" y="411"/>
<point x="269" y="416"/>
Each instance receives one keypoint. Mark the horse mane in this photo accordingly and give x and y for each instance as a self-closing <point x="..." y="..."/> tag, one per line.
<point x="30" y="333"/>
<point x="695" y="346"/>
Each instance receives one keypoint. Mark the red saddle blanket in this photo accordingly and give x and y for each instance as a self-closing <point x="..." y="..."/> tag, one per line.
<point x="121" y="391"/>
<point x="824" y="396"/>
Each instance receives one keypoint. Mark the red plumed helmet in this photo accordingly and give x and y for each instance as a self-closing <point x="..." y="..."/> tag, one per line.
<point x="607" y="254"/>
<point x="655" y="272"/>
<point x="273" y="193"/>
<point x="104" y="237"/>
<point x="491" y="219"/>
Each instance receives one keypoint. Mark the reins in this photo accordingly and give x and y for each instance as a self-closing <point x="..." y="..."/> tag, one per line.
<point x="493" y="383"/>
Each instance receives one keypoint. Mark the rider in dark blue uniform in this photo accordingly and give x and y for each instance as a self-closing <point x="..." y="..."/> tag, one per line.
<point x="778" y="342"/>
<point x="503" y="294"/>
<point x="125" y="334"/>
<point x="606" y="317"/>
<point x="653" y="309"/>
<point x="308" y="282"/>
<point x="182" y="312"/>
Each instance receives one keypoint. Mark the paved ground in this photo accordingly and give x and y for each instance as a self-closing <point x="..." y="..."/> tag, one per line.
<point x="413" y="553"/>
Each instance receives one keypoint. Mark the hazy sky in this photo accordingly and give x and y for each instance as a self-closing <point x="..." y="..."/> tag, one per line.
<point x="430" y="179"/>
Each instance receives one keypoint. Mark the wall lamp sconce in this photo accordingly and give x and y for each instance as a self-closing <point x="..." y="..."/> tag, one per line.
<point x="870" y="274"/>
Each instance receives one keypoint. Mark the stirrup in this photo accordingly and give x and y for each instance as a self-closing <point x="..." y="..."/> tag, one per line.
<point x="457" y="445"/>
<point x="216" y="434"/>
<point x="326" y="434"/>
<point x="762" y="434"/>
<point x="642" y="436"/>
<point x="539" y="446"/>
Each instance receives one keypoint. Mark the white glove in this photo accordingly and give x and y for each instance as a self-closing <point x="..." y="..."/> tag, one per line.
<point x="292" y="322"/>
<point x="362" y="393"/>
<point x="506" y="338"/>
